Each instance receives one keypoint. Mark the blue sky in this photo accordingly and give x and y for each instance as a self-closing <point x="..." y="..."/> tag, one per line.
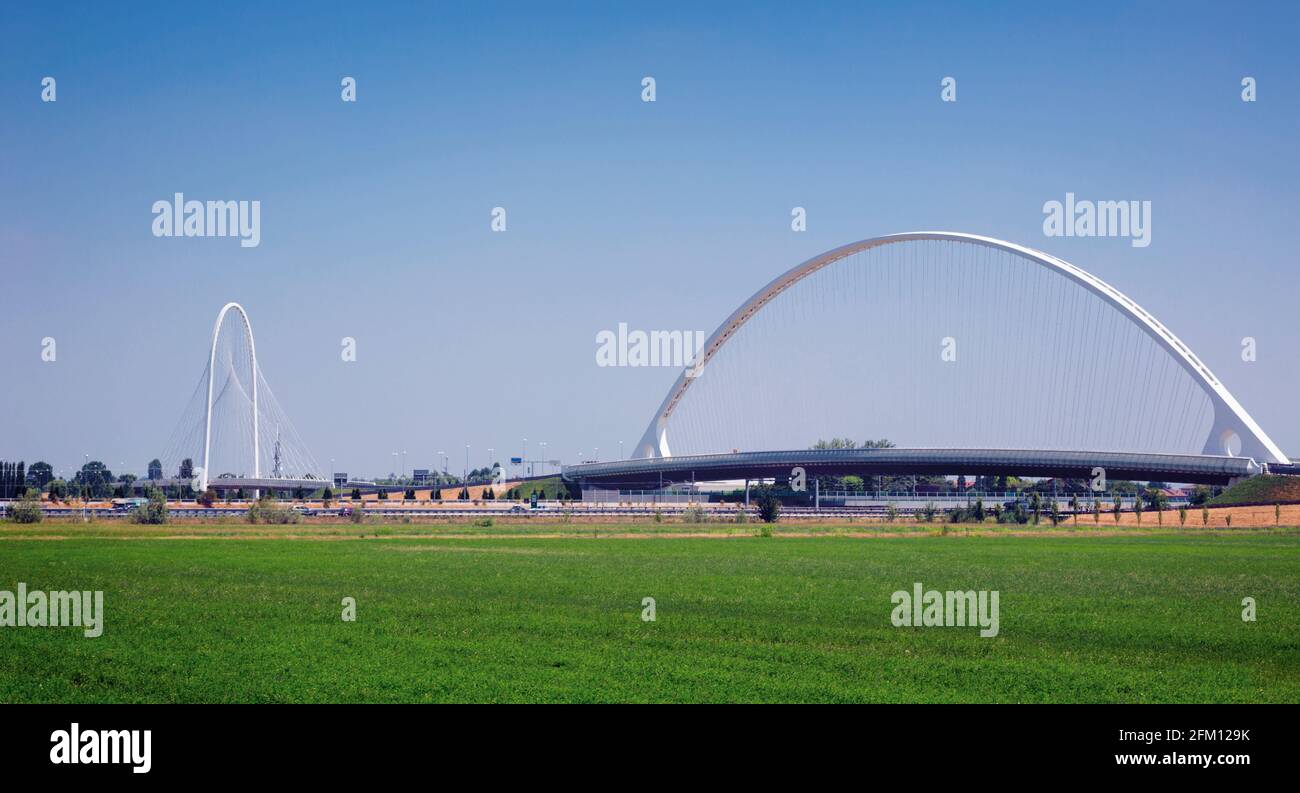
<point x="375" y="215"/>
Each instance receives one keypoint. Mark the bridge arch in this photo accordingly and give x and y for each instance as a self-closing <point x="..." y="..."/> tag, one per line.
<point x="1232" y="430"/>
<point x="253" y="377"/>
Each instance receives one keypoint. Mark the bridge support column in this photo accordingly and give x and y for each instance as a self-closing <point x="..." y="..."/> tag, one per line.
<point x="817" y="493"/>
<point x="746" y="494"/>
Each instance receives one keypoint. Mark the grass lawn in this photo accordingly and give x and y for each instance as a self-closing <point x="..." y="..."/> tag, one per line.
<point x="1083" y="618"/>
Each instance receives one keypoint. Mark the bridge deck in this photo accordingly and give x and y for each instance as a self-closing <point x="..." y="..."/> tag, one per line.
<point x="1200" y="469"/>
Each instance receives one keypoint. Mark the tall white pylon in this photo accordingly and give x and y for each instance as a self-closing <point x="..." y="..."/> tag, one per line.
<point x="212" y="361"/>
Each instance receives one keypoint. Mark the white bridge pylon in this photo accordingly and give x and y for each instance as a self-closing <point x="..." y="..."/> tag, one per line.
<point x="253" y="375"/>
<point x="1231" y="425"/>
<point x="233" y="433"/>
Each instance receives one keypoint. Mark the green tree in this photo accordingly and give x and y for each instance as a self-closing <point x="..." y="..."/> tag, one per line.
<point x="769" y="506"/>
<point x="1158" y="502"/>
<point x="94" y="480"/>
<point x="40" y="474"/>
<point x="1074" y="508"/>
<point x="1117" y="507"/>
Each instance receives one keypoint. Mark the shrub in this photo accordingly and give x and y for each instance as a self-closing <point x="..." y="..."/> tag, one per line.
<point x="266" y="510"/>
<point x="1013" y="512"/>
<point x="154" y="512"/>
<point x="1182" y="515"/>
<point x="207" y="498"/>
<point x="358" y="515"/>
<point x="483" y="523"/>
<point x="695" y="514"/>
<point x="26" y="510"/>
<point x="742" y="516"/>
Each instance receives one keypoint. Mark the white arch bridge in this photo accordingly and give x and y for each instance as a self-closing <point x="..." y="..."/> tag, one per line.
<point x="972" y="354"/>
<point x="234" y="433"/>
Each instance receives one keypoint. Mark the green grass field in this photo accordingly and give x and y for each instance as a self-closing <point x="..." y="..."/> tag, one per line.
<point x="1083" y="618"/>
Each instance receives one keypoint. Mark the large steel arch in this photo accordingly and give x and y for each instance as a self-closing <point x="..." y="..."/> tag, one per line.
<point x="1230" y="418"/>
<point x="212" y="362"/>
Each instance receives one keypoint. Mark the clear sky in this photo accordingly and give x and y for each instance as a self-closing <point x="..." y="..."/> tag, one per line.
<point x="375" y="214"/>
